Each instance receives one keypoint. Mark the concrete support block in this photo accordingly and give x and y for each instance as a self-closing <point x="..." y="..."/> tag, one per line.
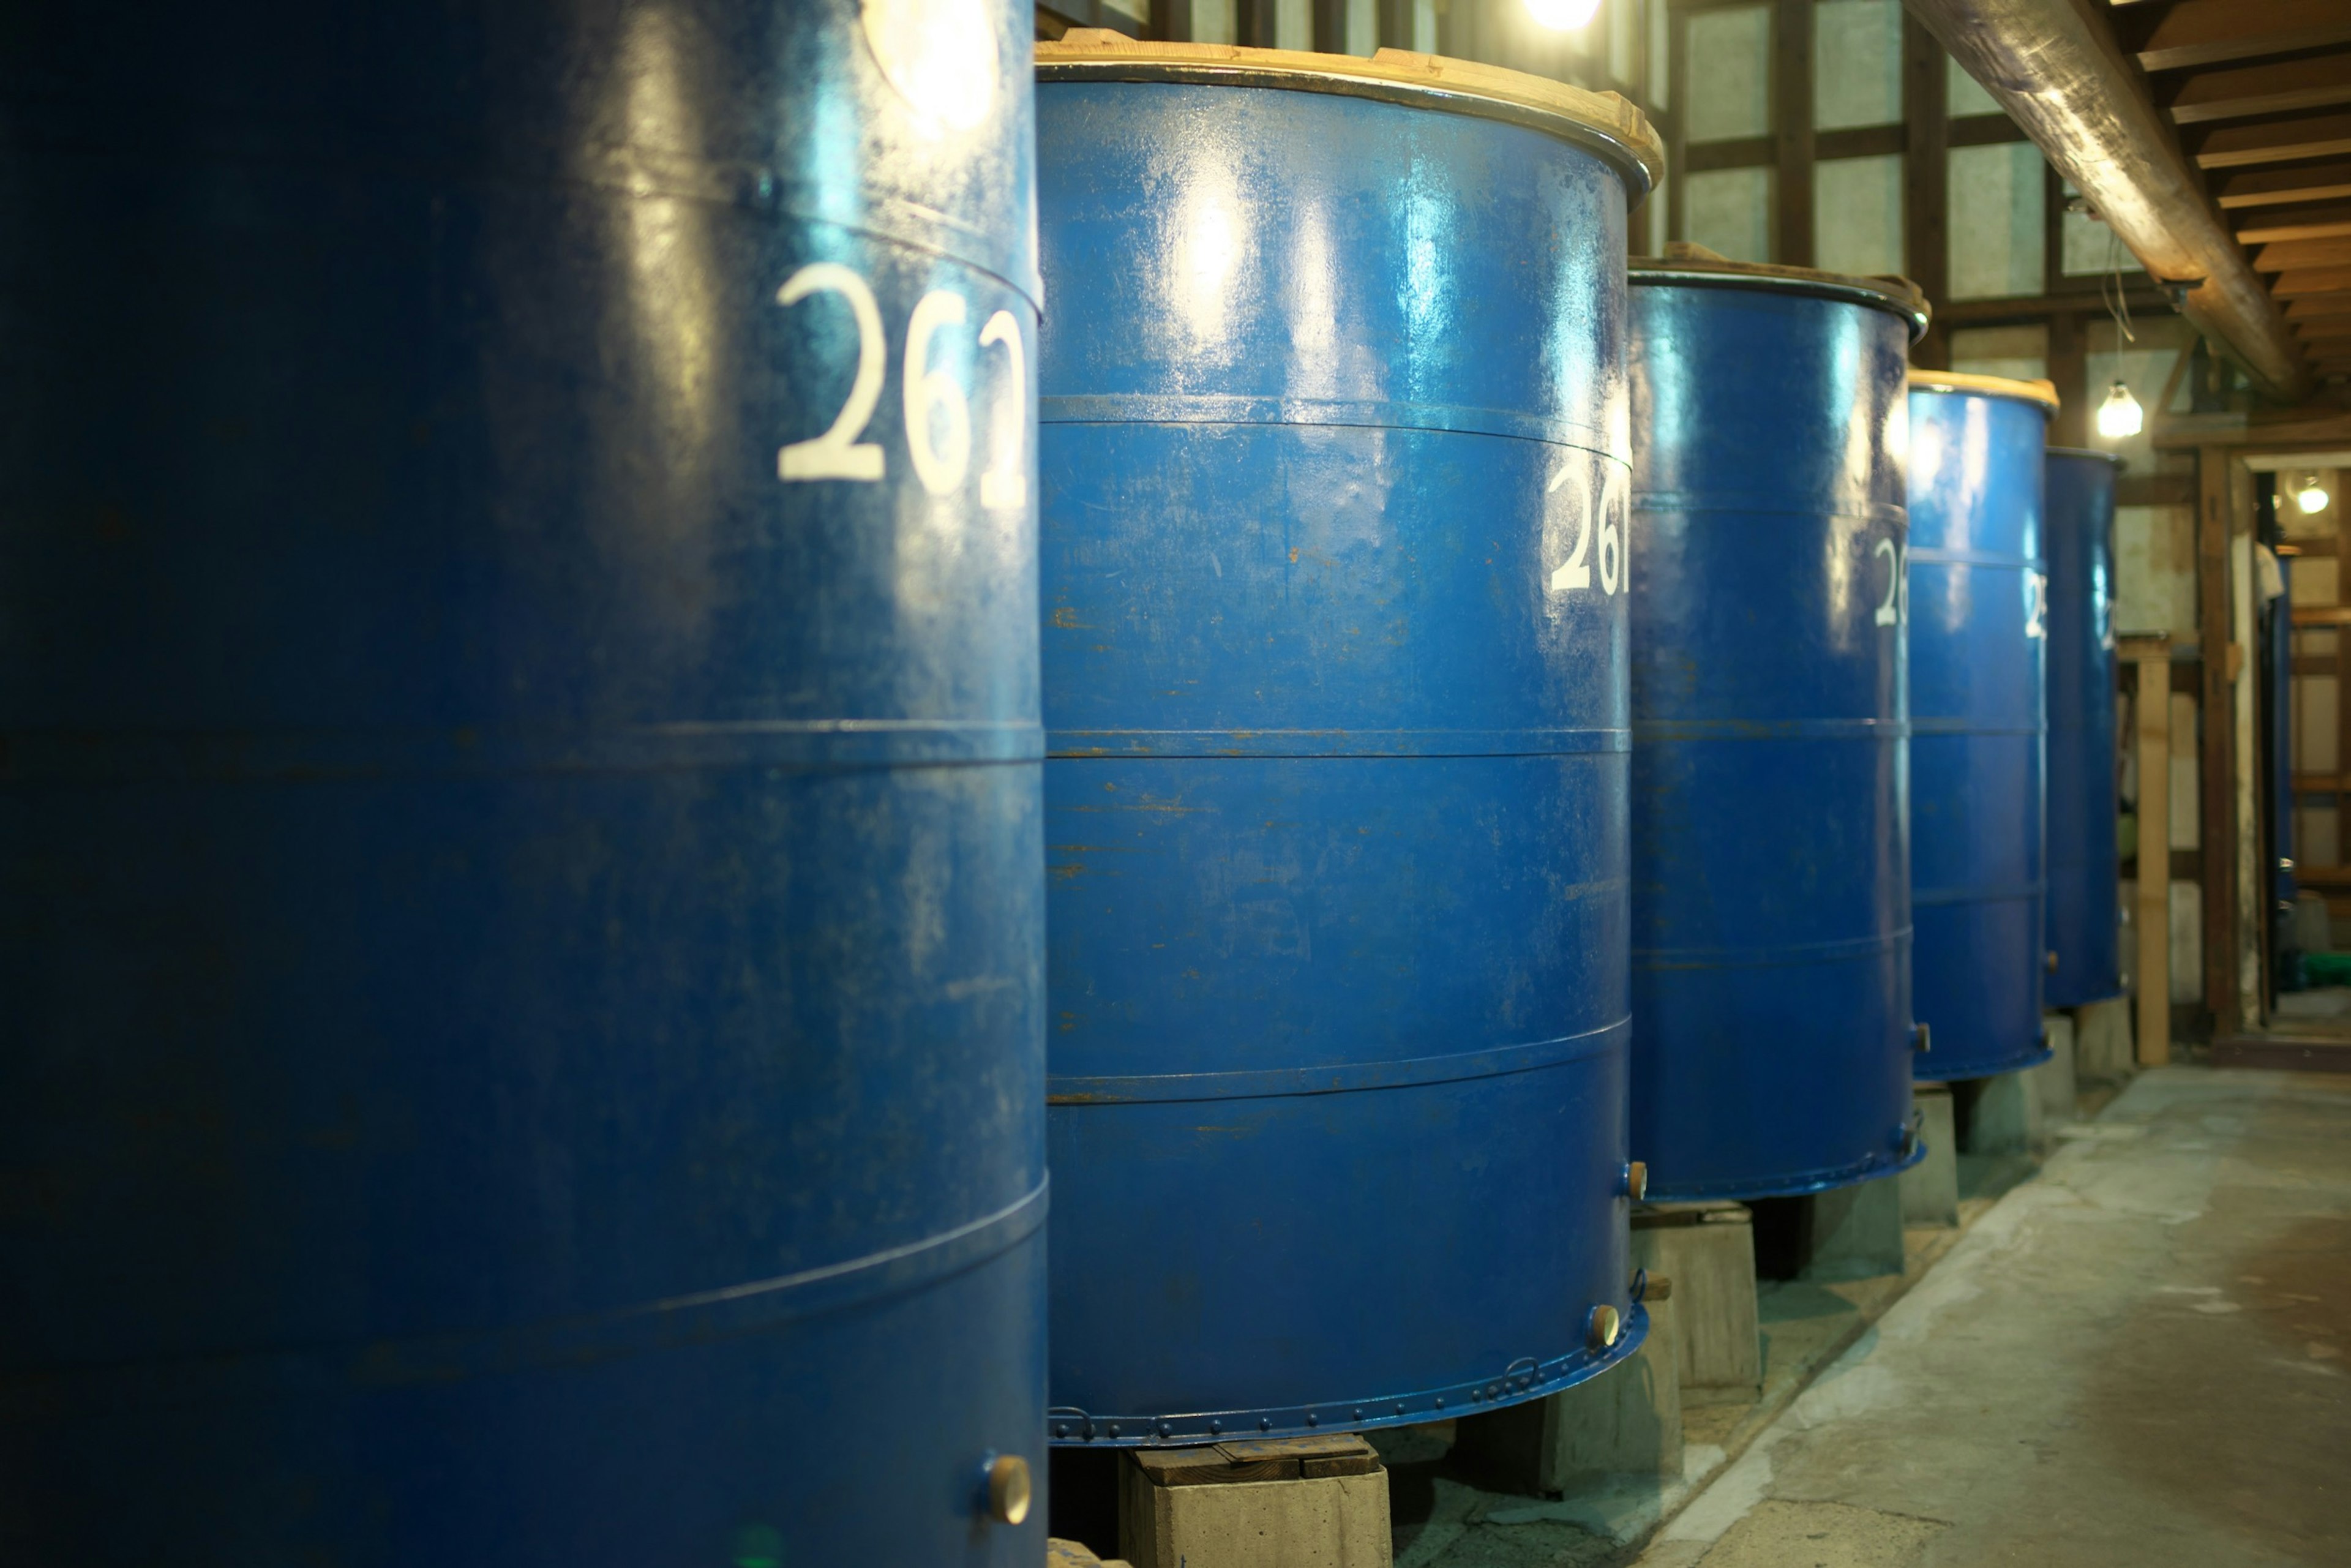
<point x="1627" y="1421"/>
<point x="1294" y="1502"/>
<point x="2052" y="1081"/>
<point x="2007" y="1115"/>
<point x="1060" y="1554"/>
<point x="1856" y="1231"/>
<point x="2103" y="1051"/>
<point x="1708" y="1250"/>
<point x="1931" y="1189"/>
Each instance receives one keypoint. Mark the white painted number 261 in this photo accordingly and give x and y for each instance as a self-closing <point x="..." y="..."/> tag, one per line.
<point x="938" y="411"/>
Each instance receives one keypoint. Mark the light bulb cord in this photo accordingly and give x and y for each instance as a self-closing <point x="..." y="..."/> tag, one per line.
<point x="2117" y="300"/>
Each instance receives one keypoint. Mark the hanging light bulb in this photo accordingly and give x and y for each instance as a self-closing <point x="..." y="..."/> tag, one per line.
<point x="1564" y="16"/>
<point x="2120" y="414"/>
<point x="2312" y="497"/>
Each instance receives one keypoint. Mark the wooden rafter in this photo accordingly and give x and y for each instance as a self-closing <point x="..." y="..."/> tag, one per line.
<point x="2292" y="256"/>
<point x="2241" y="146"/>
<point x="2274" y="88"/>
<point x="2292" y="185"/>
<point x="2209" y="32"/>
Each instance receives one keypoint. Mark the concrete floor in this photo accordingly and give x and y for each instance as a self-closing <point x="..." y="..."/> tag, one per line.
<point x="2135" y="1361"/>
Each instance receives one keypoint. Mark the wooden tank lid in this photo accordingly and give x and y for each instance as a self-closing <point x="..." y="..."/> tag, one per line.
<point x="1695" y="266"/>
<point x="1603" y="123"/>
<point x="2045" y="393"/>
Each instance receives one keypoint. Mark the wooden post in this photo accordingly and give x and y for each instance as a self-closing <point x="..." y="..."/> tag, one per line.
<point x="2151" y="656"/>
<point x="2216" y="757"/>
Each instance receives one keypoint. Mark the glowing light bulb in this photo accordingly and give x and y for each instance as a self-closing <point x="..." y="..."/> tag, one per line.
<point x="2313" y="496"/>
<point x="2120" y="414"/>
<point x="1564" y="16"/>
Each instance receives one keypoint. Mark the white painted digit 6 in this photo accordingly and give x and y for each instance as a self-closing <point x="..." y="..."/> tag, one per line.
<point x="1005" y="486"/>
<point x="1896" y="607"/>
<point x="941" y="468"/>
<point x="1612" y="552"/>
<point x="838" y="454"/>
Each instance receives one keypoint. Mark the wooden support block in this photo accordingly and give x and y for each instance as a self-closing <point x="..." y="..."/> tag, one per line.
<point x="1931" y="1189"/>
<point x="1060" y="1554"/>
<point x="1708" y="1250"/>
<point x="1287" y="1502"/>
<point x="1627" y="1421"/>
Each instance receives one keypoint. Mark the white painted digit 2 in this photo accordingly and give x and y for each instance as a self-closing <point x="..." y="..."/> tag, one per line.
<point x="838" y="454"/>
<point x="1897" y="584"/>
<point x="1576" y="572"/>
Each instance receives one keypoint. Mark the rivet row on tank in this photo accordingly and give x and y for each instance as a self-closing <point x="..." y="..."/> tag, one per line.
<point x="1165" y="1427"/>
<point x="1265" y="1423"/>
<point x="1312" y="1420"/>
<point x="1114" y="1428"/>
<point x="1215" y="1428"/>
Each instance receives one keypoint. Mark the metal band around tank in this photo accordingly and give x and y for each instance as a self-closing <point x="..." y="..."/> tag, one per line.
<point x="1982" y="893"/>
<point x="46" y="756"/>
<point x="1896" y="296"/>
<point x="1770" y="957"/>
<point x="1653" y="730"/>
<point x="1282" y="1082"/>
<point x="697" y="1318"/>
<point x="1528" y="1377"/>
<point x="1079" y="744"/>
<point x="2114" y="457"/>
<point x="1793" y="1184"/>
<point x="1214" y="408"/>
<point x="1601" y="123"/>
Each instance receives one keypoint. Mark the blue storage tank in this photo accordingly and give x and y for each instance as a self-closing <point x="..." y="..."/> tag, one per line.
<point x="1978" y="637"/>
<point x="1771" y="1024"/>
<point x="2084" y="910"/>
<point x="520" y="826"/>
<point x="1334" y="465"/>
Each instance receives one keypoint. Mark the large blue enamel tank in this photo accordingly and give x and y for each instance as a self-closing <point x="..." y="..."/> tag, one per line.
<point x="1334" y="465"/>
<point x="1979" y="596"/>
<point x="522" y="858"/>
<point x="2085" y="862"/>
<point x="1772" y="1028"/>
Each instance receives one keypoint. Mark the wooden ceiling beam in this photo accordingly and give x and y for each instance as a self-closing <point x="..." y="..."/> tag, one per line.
<point x="2317" y="222"/>
<point x="2317" y="305"/>
<point x="2277" y="87"/>
<point x="2313" y="280"/>
<point x="2289" y="186"/>
<point x="2207" y="32"/>
<point x="2284" y="142"/>
<point x="2292" y="256"/>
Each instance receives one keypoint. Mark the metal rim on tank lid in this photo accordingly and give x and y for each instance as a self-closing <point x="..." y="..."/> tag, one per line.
<point x="1612" y="142"/>
<point x="1602" y="122"/>
<point x="1696" y="266"/>
<point x="2041" y="393"/>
